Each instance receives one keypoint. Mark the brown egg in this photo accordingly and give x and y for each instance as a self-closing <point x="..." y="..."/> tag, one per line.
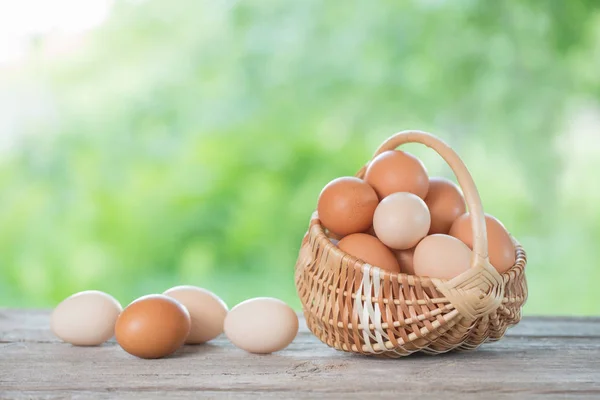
<point x="500" y="246"/>
<point x="346" y="205"/>
<point x="441" y="256"/>
<point x="333" y="235"/>
<point x="401" y="220"/>
<point x="396" y="171"/>
<point x="405" y="259"/>
<point x="445" y="202"/>
<point x="369" y="249"/>
<point x="153" y="326"/>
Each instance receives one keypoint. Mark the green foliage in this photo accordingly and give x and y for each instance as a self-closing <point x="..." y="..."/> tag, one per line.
<point x="188" y="143"/>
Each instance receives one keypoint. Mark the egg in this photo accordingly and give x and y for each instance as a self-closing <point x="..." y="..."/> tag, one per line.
<point x="441" y="256"/>
<point x="86" y="318"/>
<point x="153" y="326"/>
<point x="346" y="205"/>
<point x="370" y="250"/>
<point x="262" y="325"/>
<point x="397" y="171"/>
<point x="501" y="248"/>
<point x="406" y="260"/>
<point x="401" y="220"/>
<point x="445" y="202"/>
<point x="207" y="312"/>
<point x="371" y="231"/>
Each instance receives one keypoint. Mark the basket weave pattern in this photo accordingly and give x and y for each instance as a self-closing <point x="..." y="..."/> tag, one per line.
<point x="353" y="306"/>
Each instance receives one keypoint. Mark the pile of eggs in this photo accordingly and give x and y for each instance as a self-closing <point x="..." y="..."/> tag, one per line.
<point x="400" y="220"/>
<point x="157" y="325"/>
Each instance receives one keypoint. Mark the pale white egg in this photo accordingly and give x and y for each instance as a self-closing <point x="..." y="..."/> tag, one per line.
<point x="86" y="318"/>
<point x="262" y="325"/>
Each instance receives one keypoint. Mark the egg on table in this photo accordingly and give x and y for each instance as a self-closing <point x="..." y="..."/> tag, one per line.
<point x="401" y="220"/>
<point x="262" y="325"/>
<point x="370" y="250"/>
<point x="86" y="318"/>
<point x="441" y="256"/>
<point x="346" y="205"/>
<point x="445" y="202"/>
<point x="501" y="248"/>
<point x="153" y="326"/>
<point x="397" y="171"/>
<point x="207" y="312"/>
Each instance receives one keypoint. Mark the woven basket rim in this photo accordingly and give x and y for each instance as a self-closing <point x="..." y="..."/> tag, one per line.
<point x="359" y="265"/>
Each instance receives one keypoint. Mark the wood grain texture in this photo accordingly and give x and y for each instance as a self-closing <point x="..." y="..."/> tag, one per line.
<point x="541" y="357"/>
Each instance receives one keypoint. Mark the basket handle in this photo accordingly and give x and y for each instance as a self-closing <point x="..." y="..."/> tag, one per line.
<point x="465" y="180"/>
<point x="478" y="291"/>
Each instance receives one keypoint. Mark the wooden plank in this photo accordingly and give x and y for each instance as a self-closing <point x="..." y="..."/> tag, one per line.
<point x="33" y="325"/>
<point x="512" y="366"/>
<point x="557" y="327"/>
<point x="543" y="357"/>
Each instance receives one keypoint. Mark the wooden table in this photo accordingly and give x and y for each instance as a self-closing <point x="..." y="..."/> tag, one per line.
<point x="541" y="357"/>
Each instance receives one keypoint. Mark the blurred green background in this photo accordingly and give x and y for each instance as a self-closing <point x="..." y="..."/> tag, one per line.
<point x="186" y="142"/>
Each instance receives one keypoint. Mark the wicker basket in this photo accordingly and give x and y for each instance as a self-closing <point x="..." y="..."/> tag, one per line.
<point x="355" y="307"/>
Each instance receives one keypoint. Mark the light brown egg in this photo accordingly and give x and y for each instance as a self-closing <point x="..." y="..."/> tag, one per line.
<point x="207" y="312"/>
<point x="370" y="250"/>
<point x="397" y="171"/>
<point x="153" y="326"/>
<point x="445" y="202"/>
<point x="406" y="260"/>
<point x="441" y="256"/>
<point x="401" y="220"/>
<point x="346" y="205"/>
<point x="501" y="249"/>
<point x="262" y="325"/>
